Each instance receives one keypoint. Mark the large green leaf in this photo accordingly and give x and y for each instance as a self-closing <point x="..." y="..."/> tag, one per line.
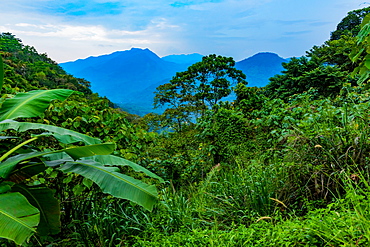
<point x="118" y="161"/>
<point x="1" y="73"/>
<point x="53" y="160"/>
<point x="43" y="199"/>
<point x="61" y="134"/>
<point x="90" y="150"/>
<point x="31" y="104"/>
<point x="5" y="187"/>
<point x="26" y="171"/>
<point x="111" y="181"/>
<point x="8" y="165"/>
<point x="18" y="218"/>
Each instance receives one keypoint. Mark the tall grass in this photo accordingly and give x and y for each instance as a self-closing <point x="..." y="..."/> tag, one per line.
<point x="346" y="222"/>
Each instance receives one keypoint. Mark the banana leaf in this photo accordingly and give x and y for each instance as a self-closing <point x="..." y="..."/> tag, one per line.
<point x="118" y="161"/>
<point x="85" y="151"/>
<point x="43" y="199"/>
<point x="63" y="135"/>
<point x="8" y="165"/>
<point x="26" y="171"/>
<point x="5" y="187"/>
<point x="18" y="218"/>
<point x="1" y="73"/>
<point x="112" y="182"/>
<point x="31" y="104"/>
<point x="53" y="160"/>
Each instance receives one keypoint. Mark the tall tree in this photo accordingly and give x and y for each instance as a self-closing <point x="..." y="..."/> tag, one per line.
<point x="301" y="74"/>
<point x="197" y="89"/>
<point x="325" y="68"/>
<point x="361" y="52"/>
<point x="350" y="25"/>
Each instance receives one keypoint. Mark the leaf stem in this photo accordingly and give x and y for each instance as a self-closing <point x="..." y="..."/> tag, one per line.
<point x="16" y="147"/>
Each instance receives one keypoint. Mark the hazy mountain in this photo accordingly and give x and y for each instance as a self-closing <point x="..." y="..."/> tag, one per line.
<point x="260" y="67"/>
<point x="122" y="73"/>
<point x="129" y="78"/>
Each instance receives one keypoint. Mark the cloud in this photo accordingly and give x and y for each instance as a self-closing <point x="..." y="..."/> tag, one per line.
<point x="236" y="28"/>
<point x="98" y="33"/>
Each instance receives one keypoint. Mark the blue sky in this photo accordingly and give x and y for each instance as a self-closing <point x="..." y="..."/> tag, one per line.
<point x="68" y="30"/>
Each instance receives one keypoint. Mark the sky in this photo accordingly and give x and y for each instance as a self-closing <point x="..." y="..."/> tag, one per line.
<point x="69" y="30"/>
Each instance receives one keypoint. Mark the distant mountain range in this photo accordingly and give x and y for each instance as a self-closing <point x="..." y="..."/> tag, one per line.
<point x="129" y="78"/>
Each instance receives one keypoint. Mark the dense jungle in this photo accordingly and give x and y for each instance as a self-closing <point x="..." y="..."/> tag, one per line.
<point x="282" y="165"/>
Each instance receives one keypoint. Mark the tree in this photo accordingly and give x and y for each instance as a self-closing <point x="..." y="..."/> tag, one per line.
<point x="361" y="52"/>
<point x="350" y="25"/>
<point x="335" y="53"/>
<point x="190" y="93"/>
<point x="27" y="208"/>
<point x="9" y="43"/>
<point x="325" y="68"/>
<point x="27" y="70"/>
<point x="301" y="74"/>
<point x="248" y="99"/>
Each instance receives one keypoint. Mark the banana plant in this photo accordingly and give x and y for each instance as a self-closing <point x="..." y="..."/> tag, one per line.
<point x="26" y="210"/>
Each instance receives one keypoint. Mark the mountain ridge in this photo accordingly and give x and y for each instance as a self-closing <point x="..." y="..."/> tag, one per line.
<point x="130" y="77"/>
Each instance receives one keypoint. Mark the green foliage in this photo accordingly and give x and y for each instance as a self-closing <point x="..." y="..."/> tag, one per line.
<point x="30" y="104"/>
<point x="178" y="157"/>
<point x="17" y="216"/>
<point x="21" y="163"/>
<point x="202" y="86"/>
<point x="223" y="133"/>
<point x="27" y="70"/>
<point x="335" y="53"/>
<point x="248" y="99"/>
<point x="1" y="72"/>
<point x="43" y="199"/>
<point x="285" y="165"/>
<point x="325" y="68"/>
<point x="302" y="74"/>
<point x="361" y="52"/>
<point x="350" y="25"/>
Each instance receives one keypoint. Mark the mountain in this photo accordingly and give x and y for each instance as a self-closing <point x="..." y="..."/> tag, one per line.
<point x="129" y="78"/>
<point x="122" y="73"/>
<point x="260" y="67"/>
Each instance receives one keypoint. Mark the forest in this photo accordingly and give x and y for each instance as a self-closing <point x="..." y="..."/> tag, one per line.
<point x="282" y="165"/>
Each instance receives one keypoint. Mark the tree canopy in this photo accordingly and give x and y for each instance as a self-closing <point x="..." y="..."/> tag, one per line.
<point x="200" y="87"/>
<point x="350" y="25"/>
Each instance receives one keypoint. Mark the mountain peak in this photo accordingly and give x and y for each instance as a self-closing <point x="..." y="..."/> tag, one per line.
<point x="134" y="49"/>
<point x="131" y="76"/>
<point x="263" y="56"/>
<point x="260" y="67"/>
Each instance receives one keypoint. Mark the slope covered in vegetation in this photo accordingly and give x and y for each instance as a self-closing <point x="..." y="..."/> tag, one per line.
<point x="283" y="165"/>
